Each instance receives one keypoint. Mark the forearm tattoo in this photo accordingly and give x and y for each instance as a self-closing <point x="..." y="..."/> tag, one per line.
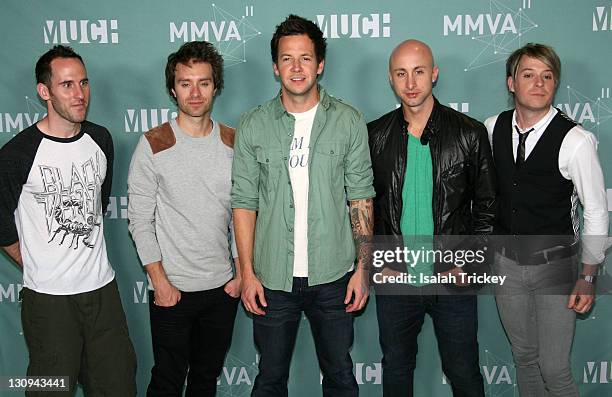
<point x="362" y="223"/>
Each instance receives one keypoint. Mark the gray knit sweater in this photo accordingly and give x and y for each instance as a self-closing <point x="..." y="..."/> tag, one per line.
<point x="179" y="205"/>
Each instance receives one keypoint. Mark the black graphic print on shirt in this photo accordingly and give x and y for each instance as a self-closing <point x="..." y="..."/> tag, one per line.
<point x="70" y="204"/>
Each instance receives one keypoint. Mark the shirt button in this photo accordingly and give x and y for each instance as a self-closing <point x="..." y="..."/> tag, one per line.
<point x="290" y="205"/>
<point x="290" y="229"/>
<point x="331" y="152"/>
<point x="267" y="160"/>
<point x="515" y="184"/>
<point x="514" y="210"/>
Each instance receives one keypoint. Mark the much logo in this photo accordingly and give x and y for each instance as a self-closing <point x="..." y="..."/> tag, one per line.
<point x="142" y="120"/>
<point x="84" y="31"/>
<point x="597" y="372"/>
<point x="117" y="207"/>
<point x="355" y="26"/>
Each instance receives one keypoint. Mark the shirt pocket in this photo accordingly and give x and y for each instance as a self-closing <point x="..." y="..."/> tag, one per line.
<point x="329" y="165"/>
<point x="270" y="165"/>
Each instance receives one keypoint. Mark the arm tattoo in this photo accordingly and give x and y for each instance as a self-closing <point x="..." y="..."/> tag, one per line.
<point x="362" y="223"/>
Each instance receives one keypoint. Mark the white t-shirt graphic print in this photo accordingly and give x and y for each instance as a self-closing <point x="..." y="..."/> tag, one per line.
<point x="298" y="174"/>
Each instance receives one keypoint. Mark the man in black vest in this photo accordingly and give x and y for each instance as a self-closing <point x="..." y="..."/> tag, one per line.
<point x="545" y="163"/>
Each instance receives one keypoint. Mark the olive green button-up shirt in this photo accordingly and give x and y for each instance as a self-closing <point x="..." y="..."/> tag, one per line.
<point x="339" y="170"/>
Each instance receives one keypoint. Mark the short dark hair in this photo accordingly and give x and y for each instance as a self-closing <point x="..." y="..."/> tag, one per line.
<point x="541" y="52"/>
<point x="295" y="25"/>
<point x="195" y="51"/>
<point x="43" y="65"/>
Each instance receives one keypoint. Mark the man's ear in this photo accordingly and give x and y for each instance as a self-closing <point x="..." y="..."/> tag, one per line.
<point x="321" y="67"/>
<point x="43" y="91"/>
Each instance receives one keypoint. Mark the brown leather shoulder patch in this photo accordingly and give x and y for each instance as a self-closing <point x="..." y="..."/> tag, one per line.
<point x="161" y="138"/>
<point x="227" y="135"/>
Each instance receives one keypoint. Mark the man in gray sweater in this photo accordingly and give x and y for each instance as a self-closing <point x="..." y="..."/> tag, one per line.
<point x="179" y="212"/>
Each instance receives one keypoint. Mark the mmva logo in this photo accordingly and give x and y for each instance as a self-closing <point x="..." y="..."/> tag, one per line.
<point x="229" y="32"/>
<point x="355" y="26"/>
<point x="81" y="31"/>
<point x="10" y="292"/>
<point x="15" y="122"/>
<point x="141" y="292"/>
<point x="205" y="30"/>
<point x="117" y="210"/>
<point x="493" y="375"/>
<point x="602" y="19"/>
<point x="235" y="376"/>
<point x="468" y="25"/>
<point x="579" y="112"/>
<point x="590" y="111"/>
<point x="143" y="120"/>
<point x="597" y="372"/>
<point x="486" y="27"/>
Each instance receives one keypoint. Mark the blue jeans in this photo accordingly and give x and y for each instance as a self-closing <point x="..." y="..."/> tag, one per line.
<point x="332" y="329"/>
<point x="455" y="320"/>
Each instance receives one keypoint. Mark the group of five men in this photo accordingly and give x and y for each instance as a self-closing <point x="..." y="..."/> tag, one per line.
<point x="283" y="180"/>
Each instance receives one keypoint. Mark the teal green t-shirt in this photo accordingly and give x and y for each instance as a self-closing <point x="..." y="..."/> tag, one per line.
<point x="417" y="215"/>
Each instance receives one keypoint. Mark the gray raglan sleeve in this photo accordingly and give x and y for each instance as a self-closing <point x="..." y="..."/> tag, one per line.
<point x="142" y="192"/>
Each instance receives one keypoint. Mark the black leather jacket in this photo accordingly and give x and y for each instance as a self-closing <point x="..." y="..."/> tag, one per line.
<point x="463" y="172"/>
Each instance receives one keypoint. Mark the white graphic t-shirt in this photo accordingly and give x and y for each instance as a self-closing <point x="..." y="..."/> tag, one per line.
<point x="298" y="173"/>
<point x="54" y="194"/>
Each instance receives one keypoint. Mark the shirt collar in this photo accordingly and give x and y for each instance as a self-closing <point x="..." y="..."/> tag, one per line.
<point x="538" y="127"/>
<point x="279" y="109"/>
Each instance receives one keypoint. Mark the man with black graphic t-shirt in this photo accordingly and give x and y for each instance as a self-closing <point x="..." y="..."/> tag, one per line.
<point x="55" y="181"/>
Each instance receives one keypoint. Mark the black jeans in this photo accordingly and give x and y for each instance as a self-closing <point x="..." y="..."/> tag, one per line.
<point x="332" y="329"/>
<point x="455" y="321"/>
<point x="83" y="336"/>
<point x="193" y="335"/>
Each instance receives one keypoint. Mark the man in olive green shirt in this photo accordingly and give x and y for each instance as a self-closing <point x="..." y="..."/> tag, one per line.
<point x="297" y="160"/>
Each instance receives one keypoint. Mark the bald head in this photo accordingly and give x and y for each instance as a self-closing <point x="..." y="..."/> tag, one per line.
<point x="412" y="74"/>
<point x="412" y="48"/>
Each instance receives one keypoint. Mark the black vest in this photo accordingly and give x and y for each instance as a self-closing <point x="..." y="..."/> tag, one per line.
<point x="536" y="199"/>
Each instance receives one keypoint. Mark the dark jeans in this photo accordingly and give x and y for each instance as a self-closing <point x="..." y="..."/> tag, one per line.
<point x="194" y="334"/>
<point x="455" y="321"/>
<point x="332" y="329"/>
<point x="82" y="336"/>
